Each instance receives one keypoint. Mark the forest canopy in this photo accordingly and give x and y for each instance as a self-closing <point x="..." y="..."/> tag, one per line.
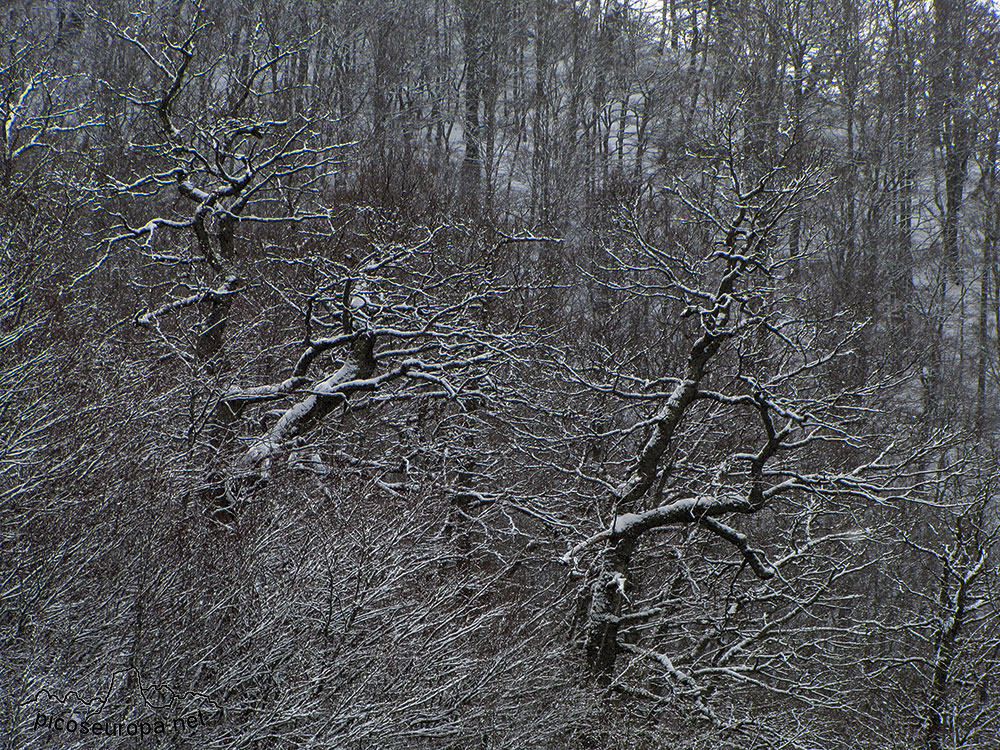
<point x="500" y="374"/>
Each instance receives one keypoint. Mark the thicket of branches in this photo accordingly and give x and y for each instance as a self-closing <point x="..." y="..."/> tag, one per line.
<point x="501" y="374"/>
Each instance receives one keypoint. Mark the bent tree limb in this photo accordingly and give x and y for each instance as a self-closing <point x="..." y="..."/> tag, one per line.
<point x="355" y="375"/>
<point x="607" y="595"/>
<point x="363" y="369"/>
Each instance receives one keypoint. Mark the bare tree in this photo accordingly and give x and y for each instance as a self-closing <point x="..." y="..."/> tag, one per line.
<point x="728" y="438"/>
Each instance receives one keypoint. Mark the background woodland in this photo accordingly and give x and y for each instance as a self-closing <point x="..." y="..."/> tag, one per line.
<point x="502" y="373"/>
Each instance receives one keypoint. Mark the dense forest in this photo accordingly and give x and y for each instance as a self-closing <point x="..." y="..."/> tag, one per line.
<point x="500" y="374"/>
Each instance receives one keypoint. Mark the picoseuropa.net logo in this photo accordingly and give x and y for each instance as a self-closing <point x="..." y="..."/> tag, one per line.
<point x="155" y="726"/>
<point x="121" y="708"/>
